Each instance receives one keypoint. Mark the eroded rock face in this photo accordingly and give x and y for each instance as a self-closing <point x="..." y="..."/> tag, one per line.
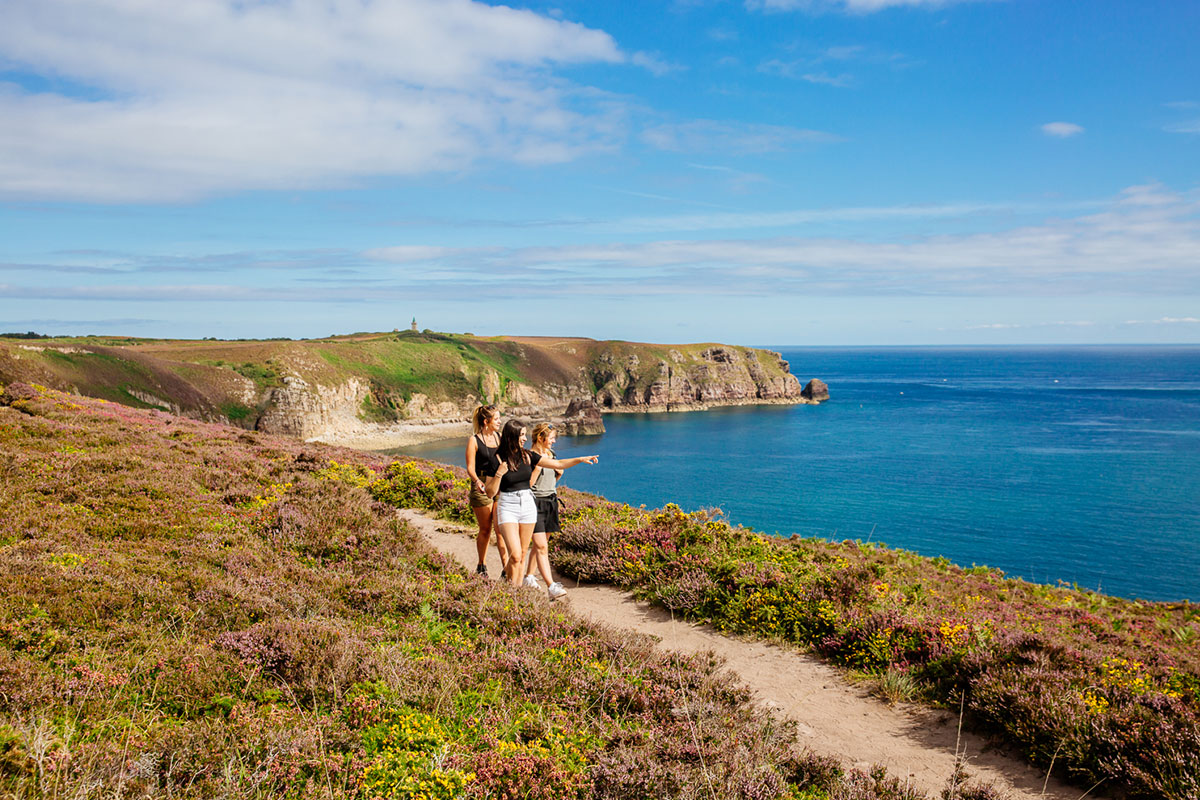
<point x="816" y="391"/>
<point x="718" y="375"/>
<point x="421" y="407"/>
<point x="307" y="411"/>
<point x="490" y="386"/>
<point x="524" y="395"/>
<point x="582" y="418"/>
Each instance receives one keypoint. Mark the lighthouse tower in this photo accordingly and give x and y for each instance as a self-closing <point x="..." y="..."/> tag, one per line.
<point x="414" y="325"/>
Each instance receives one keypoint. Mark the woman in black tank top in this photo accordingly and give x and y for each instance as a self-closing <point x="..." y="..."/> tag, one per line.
<point x="482" y="463"/>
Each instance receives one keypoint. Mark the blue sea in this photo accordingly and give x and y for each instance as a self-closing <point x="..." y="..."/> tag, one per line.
<point x="1079" y="465"/>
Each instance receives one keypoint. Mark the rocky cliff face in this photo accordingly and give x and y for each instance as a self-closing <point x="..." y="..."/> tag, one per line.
<point x="716" y="376"/>
<point x="393" y="390"/>
<point x="307" y="411"/>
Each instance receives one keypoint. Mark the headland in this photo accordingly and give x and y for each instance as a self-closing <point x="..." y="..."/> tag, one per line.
<point x="377" y="391"/>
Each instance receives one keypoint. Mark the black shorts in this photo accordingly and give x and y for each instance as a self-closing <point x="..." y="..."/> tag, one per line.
<point x="547" y="514"/>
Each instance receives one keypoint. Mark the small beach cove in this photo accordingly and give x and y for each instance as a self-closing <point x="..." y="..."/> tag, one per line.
<point x="833" y="716"/>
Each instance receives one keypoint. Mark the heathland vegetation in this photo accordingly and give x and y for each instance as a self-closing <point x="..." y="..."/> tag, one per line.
<point x="196" y="610"/>
<point x="193" y="610"/>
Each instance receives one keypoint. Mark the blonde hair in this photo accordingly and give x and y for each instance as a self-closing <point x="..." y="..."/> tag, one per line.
<point x="481" y="416"/>
<point x="541" y="431"/>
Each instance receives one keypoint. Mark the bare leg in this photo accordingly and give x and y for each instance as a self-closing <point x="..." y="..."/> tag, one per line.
<point x="510" y="534"/>
<point x="484" y="517"/>
<point x="540" y="557"/>
<point x="526" y="537"/>
<point x="501" y="545"/>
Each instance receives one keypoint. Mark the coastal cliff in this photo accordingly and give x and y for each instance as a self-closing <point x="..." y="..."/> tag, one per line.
<point x="382" y="390"/>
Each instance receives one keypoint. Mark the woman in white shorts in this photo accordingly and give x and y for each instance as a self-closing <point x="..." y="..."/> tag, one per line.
<point x="516" y="512"/>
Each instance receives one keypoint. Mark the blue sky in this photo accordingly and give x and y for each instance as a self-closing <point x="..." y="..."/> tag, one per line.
<point x="779" y="172"/>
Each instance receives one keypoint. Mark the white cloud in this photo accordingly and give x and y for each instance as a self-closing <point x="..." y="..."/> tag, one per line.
<point x="734" y="220"/>
<point x="851" y="6"/>
<point x="407" y="253"/>
<point x="842" y="81"/>
<point x="801" y="70"/>
<point x="1147" y="241"/>
<point x="1062" y="130"/>
<point x="1188" y="126"/>
<point x="194" y="97"/>
<point x="1168" y="321"/>
<point x="654" y="63"/>
<point x="1004" y="326"/>
<point x="702" y="136"/>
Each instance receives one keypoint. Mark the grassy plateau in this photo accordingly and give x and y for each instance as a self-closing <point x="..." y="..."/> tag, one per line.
<point x="234" y="381"/>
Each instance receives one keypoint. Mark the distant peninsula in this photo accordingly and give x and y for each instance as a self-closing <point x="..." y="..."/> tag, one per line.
<point x="382" y="390"/>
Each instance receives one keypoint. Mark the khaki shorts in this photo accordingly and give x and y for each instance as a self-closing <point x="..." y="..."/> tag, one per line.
<point x="479" y="499"/>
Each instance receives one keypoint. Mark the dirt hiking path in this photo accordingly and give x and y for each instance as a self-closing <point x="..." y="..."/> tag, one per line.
<point x="833" y="717"/>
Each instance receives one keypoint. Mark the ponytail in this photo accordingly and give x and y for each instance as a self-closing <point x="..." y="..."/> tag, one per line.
<point x="481" y="416"/>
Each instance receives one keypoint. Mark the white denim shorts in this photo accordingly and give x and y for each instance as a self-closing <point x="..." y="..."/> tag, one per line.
<point x="516" y="507"/>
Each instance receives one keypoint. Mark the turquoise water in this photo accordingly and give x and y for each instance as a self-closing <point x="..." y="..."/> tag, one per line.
<point x="1055" y="464"/>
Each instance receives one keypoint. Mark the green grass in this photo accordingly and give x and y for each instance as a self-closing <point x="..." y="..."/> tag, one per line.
<point x="264" y="375"/>
<point x="236" y="412"/>
<point x="433" y="365"/>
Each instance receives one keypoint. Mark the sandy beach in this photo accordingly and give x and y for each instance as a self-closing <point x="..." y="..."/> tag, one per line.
<point x="402" y="434"/>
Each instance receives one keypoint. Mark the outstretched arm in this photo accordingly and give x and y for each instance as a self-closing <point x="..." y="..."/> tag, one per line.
<point x="567" y="463"/>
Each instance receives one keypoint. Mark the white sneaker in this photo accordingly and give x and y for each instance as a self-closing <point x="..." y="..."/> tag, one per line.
<point x="556" y="591"/>
<point x="531" y="582"/>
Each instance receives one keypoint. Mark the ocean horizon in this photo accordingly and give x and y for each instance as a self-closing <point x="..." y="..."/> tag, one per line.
<point x="1076" y="464"/>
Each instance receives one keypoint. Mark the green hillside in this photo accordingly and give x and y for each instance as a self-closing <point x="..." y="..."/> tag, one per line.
<point x="232" y="380"/>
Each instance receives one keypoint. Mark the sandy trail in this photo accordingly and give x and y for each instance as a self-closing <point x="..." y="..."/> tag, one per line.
<point x="833" y="717"/>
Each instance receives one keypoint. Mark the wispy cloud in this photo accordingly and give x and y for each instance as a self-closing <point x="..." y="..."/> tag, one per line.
<point x="59" y="324"/>
<point x="1165" y="321"/>
<point x="655" y="64"/>
<point x="1188" y="126"/>
<point x="1007" y="326"/>
<point x="843" y="80"/>
<point x="850" y="6"/>
<point x="801" y="71"/>
<point x="1145" y="242"/>
<point x="1129" y="323"/>
<point x="706" y="136"/>
<point x="172" y="101"/>
<point x="1062" y="130"/>
<point x="738" y="181"/>
<point x="795" y="218"/>
<point x="827" y="66"/>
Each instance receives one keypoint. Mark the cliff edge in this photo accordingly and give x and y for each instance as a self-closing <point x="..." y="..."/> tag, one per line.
<point x="394" y="388"/>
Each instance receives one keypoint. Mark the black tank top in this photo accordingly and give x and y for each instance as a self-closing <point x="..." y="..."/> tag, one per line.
<point x="486" y="460"/>
<point x="516" y="480"/>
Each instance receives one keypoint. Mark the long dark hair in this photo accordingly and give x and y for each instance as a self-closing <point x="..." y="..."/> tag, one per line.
<point x="510" y="445"/>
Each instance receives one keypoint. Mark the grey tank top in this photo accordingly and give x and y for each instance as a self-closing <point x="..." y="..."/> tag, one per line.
<point x="546" y="483"/>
